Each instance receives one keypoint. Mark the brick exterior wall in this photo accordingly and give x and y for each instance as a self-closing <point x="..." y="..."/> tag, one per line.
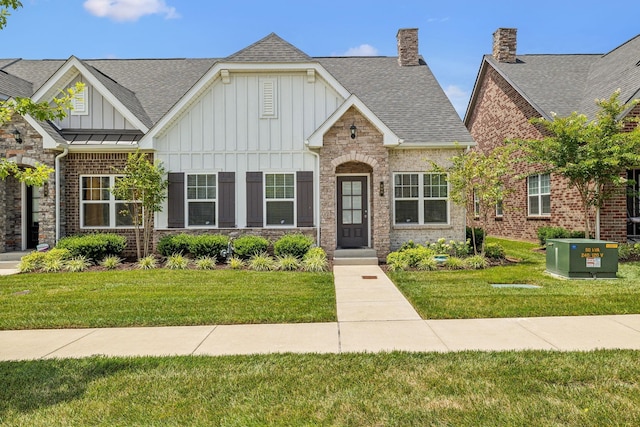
<point x="26" y="154"/>
<point x="502" y="113"/>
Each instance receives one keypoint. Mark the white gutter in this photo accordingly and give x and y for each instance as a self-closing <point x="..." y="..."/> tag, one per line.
<point x="57" y="166"/>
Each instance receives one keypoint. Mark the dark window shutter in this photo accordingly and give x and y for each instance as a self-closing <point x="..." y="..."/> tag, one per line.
<point x="175" y="200"/>
<point x="304" y="190"/>
<point x="254" y="199"/>
<point x="227" y="199"/>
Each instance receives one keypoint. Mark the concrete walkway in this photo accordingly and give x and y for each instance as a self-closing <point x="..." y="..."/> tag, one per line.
<point x="373" y="316"/>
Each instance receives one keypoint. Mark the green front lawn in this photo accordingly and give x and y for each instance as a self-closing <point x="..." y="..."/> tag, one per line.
<point x="531" y="388"/>
<point x="469" y="294"/>
<point x="164" y="297"/>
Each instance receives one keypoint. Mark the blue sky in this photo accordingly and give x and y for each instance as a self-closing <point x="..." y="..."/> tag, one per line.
<point x="453" y="35"/>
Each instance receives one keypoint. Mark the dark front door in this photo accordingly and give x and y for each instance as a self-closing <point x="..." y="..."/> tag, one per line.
<point x="353" y="223"/>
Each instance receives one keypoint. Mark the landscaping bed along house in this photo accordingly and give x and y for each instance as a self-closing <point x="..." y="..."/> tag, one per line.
<point x="103" y="251"/>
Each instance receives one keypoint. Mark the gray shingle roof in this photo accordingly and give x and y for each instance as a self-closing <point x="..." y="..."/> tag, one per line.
<point x="269" y="49"/>
<point x="566" y="83"/>
<point x="14" y="86"/>
<point x="408" y="100"/>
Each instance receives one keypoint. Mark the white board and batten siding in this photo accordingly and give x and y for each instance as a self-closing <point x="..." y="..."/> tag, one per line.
<point x="256" y="122"/>
<point x="98" y="113"/>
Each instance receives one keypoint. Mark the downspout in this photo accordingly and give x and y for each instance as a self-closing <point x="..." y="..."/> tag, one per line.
<point x="57" y="166"/>
<point x="317" y="195"/>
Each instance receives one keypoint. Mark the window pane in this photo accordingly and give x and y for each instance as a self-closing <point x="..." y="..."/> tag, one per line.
<point x="406" y="186"/>
<point x="202" y="213"/>
<point x="357" y="202"/>
<point x="346" y="188"/>
<point x="96" y="214"/>
<point x="279" y="186"/>
<point x="435" y="185"/>
<point x="124" y="217"/>
<point x="280" y="213"/>
<point x="347" y="217"/>
<point x="533" y="205"/>
<point x="533" y="185"/>
<point x="201" y="187"/>
<point x="406" y="212"/>
<point x="545" y="184"/>
<point x="546" y="204"/>
<point x="346" y="202"/>
<point x="435" y="211"/>
<point x="357" y="217"/>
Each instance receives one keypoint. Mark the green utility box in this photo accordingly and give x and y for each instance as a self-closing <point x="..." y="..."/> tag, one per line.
<point x="582" y="258"/>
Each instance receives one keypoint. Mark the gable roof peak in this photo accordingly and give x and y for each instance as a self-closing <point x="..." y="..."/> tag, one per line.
<point x="271" y="48"/>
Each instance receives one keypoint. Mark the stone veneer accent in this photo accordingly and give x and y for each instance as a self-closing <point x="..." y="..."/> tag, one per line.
<point x="408" y="47"/>
<point x="26" y="154"/>
<point x="500" y="113"/>
<point x="365" y="155"/>
<point x="504" y="44"/>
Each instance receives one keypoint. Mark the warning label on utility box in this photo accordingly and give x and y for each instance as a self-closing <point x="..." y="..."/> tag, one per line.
<point x="594" y="262"/>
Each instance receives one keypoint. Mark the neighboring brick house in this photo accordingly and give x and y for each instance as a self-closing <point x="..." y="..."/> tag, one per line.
<point x="265" y="141"/>
<point x="512" y="89"/>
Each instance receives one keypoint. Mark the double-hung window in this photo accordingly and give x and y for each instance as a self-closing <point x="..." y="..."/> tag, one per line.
<point x="99" y="208"/>
<point x="421" y="198"/>
<point x="539" y="194"/>
<point x="279" y="190"/>
<point x="201" y="200"/>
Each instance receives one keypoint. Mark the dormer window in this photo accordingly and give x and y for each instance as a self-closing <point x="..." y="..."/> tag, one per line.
<point x="80" y="103"/>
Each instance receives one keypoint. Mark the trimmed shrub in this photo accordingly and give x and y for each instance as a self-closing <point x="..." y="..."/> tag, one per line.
<point x="415" y="256"/>
<point x="549" y="232"/>
<point x="93" y="246"/>
<point x="494" y="251"/>
<point x="295" y="245"/>
<point x="210" y="245"/>
<point x="31" y="262"/>
<point x="247" y="246"/>
<point x="174" y="244"/>
<point x="479" y="233"/>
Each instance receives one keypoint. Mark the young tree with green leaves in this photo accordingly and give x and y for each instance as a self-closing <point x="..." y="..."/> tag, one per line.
<point x="593" y="155"/>
<point x="476" y="180"/>
<point x="39" y="111"/>
<point x="143" y="186"/>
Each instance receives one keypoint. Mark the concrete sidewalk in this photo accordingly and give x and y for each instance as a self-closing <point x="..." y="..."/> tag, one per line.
<point x="373" y="316"/>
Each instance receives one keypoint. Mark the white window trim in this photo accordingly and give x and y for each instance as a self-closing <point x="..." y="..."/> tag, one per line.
<point x="421" y="199"/>
<point x="187" y="200"/>
<point x="294" y="200"/>
<point x="111" y="202"/>
<point x="539" y="196"/>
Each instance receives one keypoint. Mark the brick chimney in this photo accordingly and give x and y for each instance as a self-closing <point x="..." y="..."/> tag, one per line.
<point x="504" y="44"/>
<point x="408" y="47"/>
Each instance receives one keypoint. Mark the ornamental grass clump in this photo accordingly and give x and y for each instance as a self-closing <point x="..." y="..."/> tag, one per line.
<point x="111" y="262"/>
<point x="476" y="262"/>
<point x="262" y="262"/>
<point x="78" y="264"/>
<point x="454" y="263"/>
<point x="287" y="263"/>
<point x="177" y="262"/>
<point x="315" y="260"/>
<point x="236" y="263"/>
<point x="31" y="262"/>
<point x="147" y="263"/>
<point x="205" y="263"/>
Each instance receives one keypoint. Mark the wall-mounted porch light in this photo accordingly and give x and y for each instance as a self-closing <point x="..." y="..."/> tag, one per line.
<point x="353" y="131"/>
<point x="18" y="137"/>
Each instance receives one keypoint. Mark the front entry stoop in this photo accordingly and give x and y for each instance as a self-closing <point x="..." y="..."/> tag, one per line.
<point x="355" y="257"/>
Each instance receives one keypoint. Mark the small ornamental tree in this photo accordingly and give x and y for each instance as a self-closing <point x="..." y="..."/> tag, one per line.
<point x="476" y="182"/>
<point x="143" y="186"/>
<point x="591" y="155"/>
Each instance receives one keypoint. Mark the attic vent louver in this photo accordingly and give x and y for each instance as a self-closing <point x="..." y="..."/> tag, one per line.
<point x="80" y="103"/>
<point x="268" y="98"/>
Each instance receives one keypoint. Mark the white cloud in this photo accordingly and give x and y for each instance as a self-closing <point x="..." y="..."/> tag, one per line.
<point x="362" y="50"/>
<point x="458" y="97"/>
<point x="129" y="10"/>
